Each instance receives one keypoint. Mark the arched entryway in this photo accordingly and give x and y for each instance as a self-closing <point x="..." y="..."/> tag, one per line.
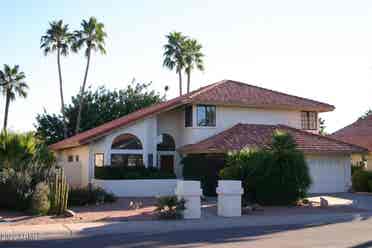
<point x="166" y="153"/>
<point x="126" y="150"/>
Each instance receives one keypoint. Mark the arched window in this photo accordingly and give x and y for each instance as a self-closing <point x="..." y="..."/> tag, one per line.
<point x="127" y="141"/>
<point x="167" y="143"/>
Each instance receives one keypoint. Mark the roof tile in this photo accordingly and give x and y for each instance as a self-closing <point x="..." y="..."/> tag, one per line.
<point x="259" y="136"/>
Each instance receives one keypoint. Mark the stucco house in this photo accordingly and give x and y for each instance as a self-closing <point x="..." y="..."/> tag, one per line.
<point x="358" y="133"/>
<point x="214" y="119"/>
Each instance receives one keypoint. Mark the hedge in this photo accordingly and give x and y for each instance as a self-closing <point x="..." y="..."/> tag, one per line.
<point x="275" y="176"/>
<point x="204" y="168"/>
<point x="135" y="172"/>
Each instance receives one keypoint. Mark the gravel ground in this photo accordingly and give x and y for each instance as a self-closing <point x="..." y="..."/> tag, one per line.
<point x="117" y="211"/>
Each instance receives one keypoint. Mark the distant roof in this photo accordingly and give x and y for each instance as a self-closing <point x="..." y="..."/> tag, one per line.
<point x="259" y="136"/>
<point x="359" y="133"/>
<point x="226" y="92"/>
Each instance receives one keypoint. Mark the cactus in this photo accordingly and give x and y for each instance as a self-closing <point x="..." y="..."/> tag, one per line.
<point x="59" y="192"/>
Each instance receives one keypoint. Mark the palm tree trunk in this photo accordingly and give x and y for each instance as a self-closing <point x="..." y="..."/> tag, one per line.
<point x="81" y="98"/>
<point x="188" y="81"/>
<point x="61" y="93"/>
<point x="7" y="102"/>
<point x="180" y="81"/>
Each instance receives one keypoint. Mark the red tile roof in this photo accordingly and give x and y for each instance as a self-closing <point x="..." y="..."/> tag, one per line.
<point x="259" y="136"/>
<point x="358" y="133"/>
<point x="226" y="92"/>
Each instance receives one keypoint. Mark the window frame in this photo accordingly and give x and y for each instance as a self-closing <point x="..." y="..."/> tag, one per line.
<point x="95" y="159"/>
<point x="207" y="124"/>
<point x="309" y="120"/>
<point x="70" y="158"/>
<point x="188" y="116"/>
<point x="129" y="156"/>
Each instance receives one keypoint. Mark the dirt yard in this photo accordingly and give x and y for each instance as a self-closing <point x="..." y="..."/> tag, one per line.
<point x="117" y="211"/>
<point x="120" y="211"/>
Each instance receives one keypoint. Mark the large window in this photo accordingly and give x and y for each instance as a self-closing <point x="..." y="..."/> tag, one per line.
<point x="309" y="120"/>
<point x="126" y="142"/>
<point x="126" y="160"/>
<point x="188" y="116"/>
<point x="206" y="115"/>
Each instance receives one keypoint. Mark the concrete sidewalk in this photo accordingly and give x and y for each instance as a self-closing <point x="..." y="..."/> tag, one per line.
<point x="60" y="231"/>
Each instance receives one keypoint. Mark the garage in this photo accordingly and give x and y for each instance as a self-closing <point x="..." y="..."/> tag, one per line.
<point x="329" y="174"/>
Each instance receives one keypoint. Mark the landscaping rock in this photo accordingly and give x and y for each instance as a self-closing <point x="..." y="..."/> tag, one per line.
<point x="323" y="202"/>
<point x="69" y="213"/>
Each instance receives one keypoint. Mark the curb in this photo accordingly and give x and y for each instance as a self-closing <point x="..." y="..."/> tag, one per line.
<point x="63" y="231"/>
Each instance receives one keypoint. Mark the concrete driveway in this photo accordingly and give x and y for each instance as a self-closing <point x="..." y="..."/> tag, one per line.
<point x="359" y="200"/>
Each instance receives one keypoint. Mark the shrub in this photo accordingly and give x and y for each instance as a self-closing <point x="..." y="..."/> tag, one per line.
<point x="89" y="195"/>
<point x="203" y="168"/>
<point x="24" y="162"/>
<point x="135" y="172"/>
<point x="169" y="207"/>
<point x="275" y="176"/>
<point x="358" y="166"/>
<point x="360" y="180"/>
<point x="369" y="185"/>
<point x="15" y="190"/>
<point x="40" y="203"/>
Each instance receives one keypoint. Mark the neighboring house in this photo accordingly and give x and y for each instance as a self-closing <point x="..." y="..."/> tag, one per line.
<point x="215" y="119"/>
<point x="358" y="133"/>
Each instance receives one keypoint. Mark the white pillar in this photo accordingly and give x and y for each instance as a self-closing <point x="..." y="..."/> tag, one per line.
<point x="229" y="198"/>
<point x="190" y="191"/>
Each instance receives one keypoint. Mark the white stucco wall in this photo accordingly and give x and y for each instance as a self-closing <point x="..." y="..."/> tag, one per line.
<point x="172" y="123"/>
<point x="226" y="117"/>
<point x="77" y="173"/>
<point x="138" y="188"/>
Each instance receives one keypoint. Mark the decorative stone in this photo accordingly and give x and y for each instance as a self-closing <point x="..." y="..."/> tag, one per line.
<point x="190" y="191"/>
<point x="229" y="198"/>
<point x="69" y="213"/>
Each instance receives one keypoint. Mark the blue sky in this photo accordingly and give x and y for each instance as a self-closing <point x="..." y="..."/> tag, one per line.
<point x="316" y="49"/>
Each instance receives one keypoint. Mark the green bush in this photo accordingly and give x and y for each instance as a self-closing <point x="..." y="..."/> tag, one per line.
<point x="204" y="168"/>
<point x="357" y="167"/>
<point x="135" y="172"/>
<point x="169" y="207"/>
<point x="275" y="176"/>
<point x="40" y="203"/>
<point x="89" y="195"/>
<point x="369" y="185"/>
<point x="360" y="180"/>
<point x="24" y="162"/>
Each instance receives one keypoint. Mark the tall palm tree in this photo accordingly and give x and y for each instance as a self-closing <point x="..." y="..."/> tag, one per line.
<point x="13" y="85"/>
<point x="174" y="54"/>
<point x="193" y="58"/>
<point x="92" y="37"/>
<point x="58" y="38"/>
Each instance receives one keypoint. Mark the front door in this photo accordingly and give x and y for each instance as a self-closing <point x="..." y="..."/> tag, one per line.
<point x="167" y="163"/>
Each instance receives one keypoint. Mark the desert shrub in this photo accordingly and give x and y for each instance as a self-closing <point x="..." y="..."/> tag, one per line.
<point x="89" y="195"/>
<point x="170" y="207"/>
<point x="369" y="185"/>
<point x="204" y="168"/>
<point x="24" y="162"/>
<point x="275" y="176"/>
<point x="358" y="166"/>
<point x="40" y="203"/>
<point x="135" y="172"/>
<point x="360" y="180"/>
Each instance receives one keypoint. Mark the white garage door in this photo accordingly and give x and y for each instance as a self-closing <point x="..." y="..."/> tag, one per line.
<point x="329" y="174"/>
